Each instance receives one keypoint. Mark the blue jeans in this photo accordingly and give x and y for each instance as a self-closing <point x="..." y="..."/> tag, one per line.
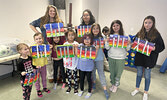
<point x="100" y="69"/>
<point x="147" y="76"/>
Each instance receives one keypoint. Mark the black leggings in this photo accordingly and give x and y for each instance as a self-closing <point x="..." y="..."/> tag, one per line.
<point x="89" y="79"/>
<point x="56" y="64"/>
<point x="69" y="74"/>
<point x="26" y="91"/>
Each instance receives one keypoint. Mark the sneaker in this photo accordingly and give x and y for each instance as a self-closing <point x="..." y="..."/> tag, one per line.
<point x="68" y="90"/>
<point x="94" y="86"/>
<point x="88" y="95"/>
<point x="55" y="85"/>
<point x="115" y="89"/>
<point x="111" y="88"/>
<point x="106" y="94"/>
<point x="63" y="86"/>
<point x="145" y="96"/>
<point x="80" y="93"/>
<point x="39" y="93"/>
<point x="134" y="92"/>
<point x="46" y="90"/>
<point x="75" y="91"/>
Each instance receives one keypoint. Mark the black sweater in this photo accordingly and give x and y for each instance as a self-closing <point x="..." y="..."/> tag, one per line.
<point x="25" y="65"/>
<point x="150" y="61"/>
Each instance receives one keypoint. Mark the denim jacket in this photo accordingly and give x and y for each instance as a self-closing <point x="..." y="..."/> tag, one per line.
<point x="36" y="23"/>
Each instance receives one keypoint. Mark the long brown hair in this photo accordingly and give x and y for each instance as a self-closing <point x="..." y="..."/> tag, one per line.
<point x="92" y="18"/>
<point x="121" y="31"/>
<point x="99" y="34"/>
<point x="45" y="18"/>
<point x="152" y="33"/>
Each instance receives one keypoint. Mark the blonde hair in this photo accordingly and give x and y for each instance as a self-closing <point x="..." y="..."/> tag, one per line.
<point x="20" y="46"/>
<point x="36" y="34"/>
<point x="45" y="18"/>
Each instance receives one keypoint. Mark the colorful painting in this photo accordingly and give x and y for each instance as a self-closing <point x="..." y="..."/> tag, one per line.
<point x="40" y="51"/>
<point x="65" y="51"/>
<point x="36" y="76"/>
<point x="118" y="41"/>
<point x="54" y="29"/>
<point x="142" y="46"/>
<point x="83" y="29"/>
<point x="99" y="41"/>
<point x="29" y="78"/>
<point x="86" y="52"/>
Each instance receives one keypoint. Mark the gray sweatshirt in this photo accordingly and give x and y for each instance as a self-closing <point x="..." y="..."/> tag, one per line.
<point x="115" y="53"/>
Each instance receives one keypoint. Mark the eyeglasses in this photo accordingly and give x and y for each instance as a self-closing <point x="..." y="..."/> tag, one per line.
<point x="85" y="15"/>
<point x="87" y="39"/>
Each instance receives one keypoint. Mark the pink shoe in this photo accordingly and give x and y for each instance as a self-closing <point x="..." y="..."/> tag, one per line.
<point x="63" y="86"/>
<point x="114" y="89"/>
<point x="39" y="93"/>
<point x="111" y="88"/>
<point x="46" y="90"/>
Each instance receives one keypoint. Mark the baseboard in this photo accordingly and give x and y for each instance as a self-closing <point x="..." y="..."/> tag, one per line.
<point x="158" y="66"/>
<point x="6" y="75"/>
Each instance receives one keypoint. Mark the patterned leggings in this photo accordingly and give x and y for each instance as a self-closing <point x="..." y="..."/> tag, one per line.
<point x="69" y="74"/>
<point x="26" y="91"/>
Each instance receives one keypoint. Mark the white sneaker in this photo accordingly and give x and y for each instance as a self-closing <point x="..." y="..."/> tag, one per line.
<point x="134" y="92"/>
<point x="88" y="95"/>
<point x="55" y="85"/>
<point x="80" y="93"/>
<point x="145" y="96"/>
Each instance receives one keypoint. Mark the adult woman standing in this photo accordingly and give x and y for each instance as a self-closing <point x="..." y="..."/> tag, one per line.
<point x="51" y="16"/>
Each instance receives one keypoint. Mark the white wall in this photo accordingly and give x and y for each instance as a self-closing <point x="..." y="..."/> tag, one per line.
<point x="78" y="6"/>
<point x="15" y="18"/>
<point x="93" y="5"/>
<point x="132" y="14"/>
<point x="17" y="14"/>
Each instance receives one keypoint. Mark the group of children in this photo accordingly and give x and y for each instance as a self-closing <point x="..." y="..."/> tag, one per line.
<point x="87" y="67"/>
<point x="28" y="65"/>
